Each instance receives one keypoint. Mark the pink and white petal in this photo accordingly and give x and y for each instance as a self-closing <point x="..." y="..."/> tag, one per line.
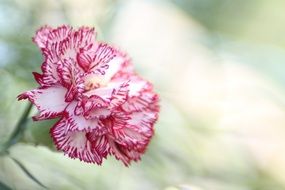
<point x="126" y="70"/>
<point x="50" y="74"/>
<point x="103" y="55"/>
<point x="141" y="96"/>
<point x="79" y="122"/>
<point x="144" y="121"/>
<point x="114" y="91"/>
<point x="41" y="36"/>
<point x="70" y="77"/>
<point x="99" y="143"/>
<point x="146" y="100"/>
<point x="82" y="124"/>
<point x="65" y="71"/>
<point x="74" y="143"/>
<point x="95" y="108"/>
<point x="124" y="154"/>
<point x="132" y="138"/>
<point x="56" y="41"/>
<point x="98" y="113"/>
<point x="92" y="107"/>
<point x="84" y="37"/>
<point x="59" y="34"/>
<point x="119" y="95"/>
<point x="134" y="130"/>
<point x="85" y="58"/>
<point x="114" y="67"/>
<point x="49" y="101"/>
<point x="137" y="85"/>
<point x="126" y="134"/>
<point x="106" y="63"/>
<point x="80" y="46"/>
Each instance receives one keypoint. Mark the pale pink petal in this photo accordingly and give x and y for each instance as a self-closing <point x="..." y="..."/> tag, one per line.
<point x="103" y="55"/>
<point x="81" y="45"/>
<point x="114" y="66"/>
<point x="93" y="107"/>
<point x="79" y="122"/>
<point x="107" y="61"/>
<point x="49" y="101"/>
<point x="99" y="143"/>
<point x="126" y="70"/>
<point x="106" y="72"/>
<point x="75" y="143"/>
<point x="41" y="36"/>
<point x="84" y="59"/>
<point x="51" y="54"/>
<point x="130" y="135"/>
<point x="84" y="37"/>
<point x="123" y="153"/>
<point x="87" y="104"/>
<point x="137" y="85"/>
<point x="140" y="96"/>
<point x="146" y="100"/>
<point x="99" y="113"/>
<point x="144" y="121"/>
<point x="50" y="75"/>
<point x="115" y="92"/>
<point x="134" y="130"/>
<point x="59" y="34"/>
<point x="119" y="95"/>
<point x="71" y="78"/>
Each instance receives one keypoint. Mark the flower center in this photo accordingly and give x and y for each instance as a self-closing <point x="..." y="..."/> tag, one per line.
<point x="94" y="81"/>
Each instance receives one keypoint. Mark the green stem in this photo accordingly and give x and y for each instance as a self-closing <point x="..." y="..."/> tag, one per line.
<point x="18" y="131"/>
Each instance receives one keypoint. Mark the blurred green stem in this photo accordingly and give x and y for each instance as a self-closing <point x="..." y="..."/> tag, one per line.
<point x="18" y="131"/>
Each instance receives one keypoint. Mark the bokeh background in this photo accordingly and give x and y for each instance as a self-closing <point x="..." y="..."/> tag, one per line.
<point x="218" y="66"/>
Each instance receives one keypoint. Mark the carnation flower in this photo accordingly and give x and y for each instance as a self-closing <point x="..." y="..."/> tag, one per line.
<point x="104" y="107"/>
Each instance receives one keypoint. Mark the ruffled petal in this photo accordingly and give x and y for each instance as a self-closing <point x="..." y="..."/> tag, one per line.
<point x="123" y="153"/>
<point x="130" y="135"/>
<point x="146" y="100"/>
<point x="140" y="96"/>
<point x="49" y="101"/>
<point x="79" y="122"/>
<point x="50" y="75"/>
<point x="71" y="78"/>
<point x="51" y="52"/>
<point x="84" y="38"/>
<point x="58" y="35"/>
<point x="41" y="36"/>
<point x="93" y="107"/>
<point x="103" y="55"/>
<point x="134" y="130"/>
<point x="126" y="70"/>
<point x="76" y="144"/>
<point x="119" y="95"/>
<point x="138" y="85"/>
<point x="80" y="46"/>
<point x="115" y="93"/>
<point x="107" y="61"/>
<point x="99" y="143"/>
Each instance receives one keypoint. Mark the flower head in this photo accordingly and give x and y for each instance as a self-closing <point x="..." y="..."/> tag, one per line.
<point x="104" y="107"/>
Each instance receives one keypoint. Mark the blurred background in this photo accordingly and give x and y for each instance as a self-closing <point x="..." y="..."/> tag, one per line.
<point x="218" y="66"/>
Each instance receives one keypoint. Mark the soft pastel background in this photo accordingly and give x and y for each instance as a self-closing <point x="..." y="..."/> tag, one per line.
<point x="219" y="66"/>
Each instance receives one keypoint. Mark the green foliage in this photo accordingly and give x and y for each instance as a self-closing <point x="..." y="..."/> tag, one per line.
<point x="38" y="132"/>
